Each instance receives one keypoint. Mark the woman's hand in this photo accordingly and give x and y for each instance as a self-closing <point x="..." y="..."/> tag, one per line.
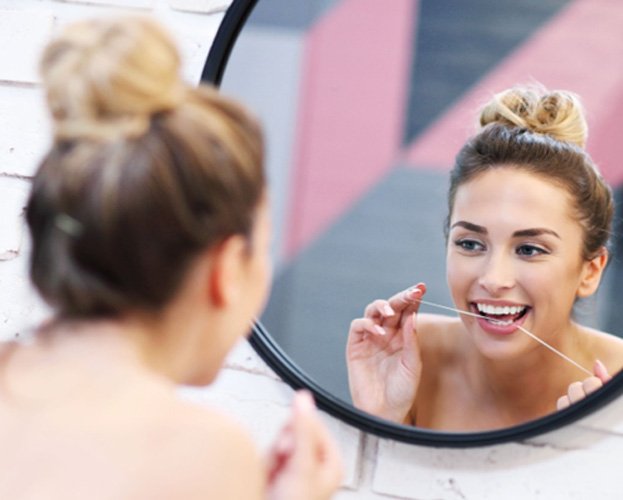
<point x="305" y="462"/>
<point x="579" y="390"/>
<point x="383" y="356"/>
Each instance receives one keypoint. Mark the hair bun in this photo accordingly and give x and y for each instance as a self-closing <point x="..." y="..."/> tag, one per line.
<point x="105" y="78"/>
<point x="557" y="113"/>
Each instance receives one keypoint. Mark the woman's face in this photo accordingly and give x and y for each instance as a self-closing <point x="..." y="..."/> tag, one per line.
<point x="260" y="264"/>
<point x="252" y="276"/>
<point x="514" y="254"/>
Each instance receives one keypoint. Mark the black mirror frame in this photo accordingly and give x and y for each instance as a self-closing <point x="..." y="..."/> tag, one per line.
<point x="278" y="360"/>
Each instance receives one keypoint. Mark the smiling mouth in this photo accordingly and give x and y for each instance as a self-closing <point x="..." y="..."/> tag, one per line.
<point x="500" y="315"/>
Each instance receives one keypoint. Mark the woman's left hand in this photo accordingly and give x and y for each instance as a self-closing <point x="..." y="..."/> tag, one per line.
<point x="579" y="390"/>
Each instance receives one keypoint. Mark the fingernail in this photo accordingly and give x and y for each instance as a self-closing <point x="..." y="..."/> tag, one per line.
<point x="380" y="330"/>
<point x="599" y="366"/>
<point x="305" y="401"/>
<point x="387" y="310"/>
<point x="285" y="442"/>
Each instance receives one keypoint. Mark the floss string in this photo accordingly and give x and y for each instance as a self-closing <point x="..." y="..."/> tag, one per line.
<point x="530" y="334"/>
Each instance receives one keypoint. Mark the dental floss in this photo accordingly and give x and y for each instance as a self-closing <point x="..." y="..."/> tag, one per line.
<point x="530" y="334"/>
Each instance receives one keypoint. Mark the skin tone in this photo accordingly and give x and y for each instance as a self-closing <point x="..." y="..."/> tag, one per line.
<point x="100" y="400"/>
<point x="513" y="242"/>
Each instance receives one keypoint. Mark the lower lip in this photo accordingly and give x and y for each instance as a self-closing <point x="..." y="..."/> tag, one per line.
<point x="501" y="330"/>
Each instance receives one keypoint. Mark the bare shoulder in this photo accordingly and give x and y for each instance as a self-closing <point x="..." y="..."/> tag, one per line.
<point x="176" y="449"/>
<point x="606" y="347"/>
<point x="210" y="454"/>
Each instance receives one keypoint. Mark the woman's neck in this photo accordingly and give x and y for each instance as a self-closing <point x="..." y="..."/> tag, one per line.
<point x="532" y="383"/>
<point x="132" y="343"/>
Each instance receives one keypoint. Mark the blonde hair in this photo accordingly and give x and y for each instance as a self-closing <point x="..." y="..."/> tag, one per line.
<point x="542" y="132"/>
<point x="558" y="113"/>
<point x="104" y="79"/>
<point x="144" y="171"/>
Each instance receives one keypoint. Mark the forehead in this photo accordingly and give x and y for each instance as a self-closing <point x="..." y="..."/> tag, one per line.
<point x="511" y="195"/>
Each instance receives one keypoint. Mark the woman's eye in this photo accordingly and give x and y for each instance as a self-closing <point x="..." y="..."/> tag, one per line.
<point x="530" y="251"/>
<point x="469" y="245"/>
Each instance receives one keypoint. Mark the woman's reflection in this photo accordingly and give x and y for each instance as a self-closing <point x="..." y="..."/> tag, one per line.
<point x="527" y="230"/>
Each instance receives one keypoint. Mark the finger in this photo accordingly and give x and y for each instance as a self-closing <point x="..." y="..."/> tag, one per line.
<point x="576" y="392"/>
<point x="281" y="450"/>
<point x="409" y="333"/>
<point x="362" y="326"/>
<point x="408" y="298"/>
<point x="404" y="303"/>
<point x="331" y="467"/>
<point x="302" y="406"/>
<point x="379" y="309"/>
<point x="591" y="384"/>
<point x="315" y="451"/>
<point x="601" y="372"/>
<point x="411" y="357"/>
<point x="562" y="403"/>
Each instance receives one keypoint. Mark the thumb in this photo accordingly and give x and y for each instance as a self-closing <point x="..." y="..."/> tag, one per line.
<point x="303" y="411"/>
<point x="601" y="372"/>
<point x="411" y="348"/>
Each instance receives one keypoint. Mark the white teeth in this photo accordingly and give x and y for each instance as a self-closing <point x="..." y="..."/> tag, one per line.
<point x="501" y="323"/>
<point x="499" y="310"/>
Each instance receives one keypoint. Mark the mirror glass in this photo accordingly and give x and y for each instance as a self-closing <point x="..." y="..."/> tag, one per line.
<point x="365" y="108"/>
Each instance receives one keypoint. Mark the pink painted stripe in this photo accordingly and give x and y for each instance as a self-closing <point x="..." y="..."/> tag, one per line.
<point x="581" y="50"/>
<point x="351" y="113"/>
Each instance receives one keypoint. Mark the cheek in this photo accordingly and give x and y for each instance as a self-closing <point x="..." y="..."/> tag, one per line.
<point x="262" y="280"/>
<point x="459" y="269"/>
<point x="459" y="273"/>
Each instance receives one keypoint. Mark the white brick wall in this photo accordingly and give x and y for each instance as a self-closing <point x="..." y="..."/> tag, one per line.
<point x="127" y="4"/>
<point x="580" y="461"/>
<point x="200" y="6"/>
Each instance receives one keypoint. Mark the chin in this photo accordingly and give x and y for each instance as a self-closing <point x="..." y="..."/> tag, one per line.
<point x="500" y="348"/>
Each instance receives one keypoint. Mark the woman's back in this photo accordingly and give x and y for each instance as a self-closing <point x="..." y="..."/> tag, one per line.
<point x="80" y="410"/>
<point x="150" y="243"/>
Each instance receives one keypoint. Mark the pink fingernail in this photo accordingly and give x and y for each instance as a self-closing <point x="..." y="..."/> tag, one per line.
<point x="388" y="310"/>
<point x="305" y="401"/>
<point x="600" y="367"/>
<point x="380" y="330"/>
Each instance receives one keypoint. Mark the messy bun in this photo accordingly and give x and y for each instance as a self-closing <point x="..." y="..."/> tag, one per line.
<point x="558" y="113"/>
<point x="144" y="172"/>
<point x="544" y="133"/>
<point x="106" y="79"/>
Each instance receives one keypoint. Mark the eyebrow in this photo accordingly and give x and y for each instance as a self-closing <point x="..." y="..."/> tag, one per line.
<point x="470" y="227"/>
<point x="537" y="231"/>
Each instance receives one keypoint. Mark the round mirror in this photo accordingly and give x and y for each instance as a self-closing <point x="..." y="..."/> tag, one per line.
<point x="365" y="108"/>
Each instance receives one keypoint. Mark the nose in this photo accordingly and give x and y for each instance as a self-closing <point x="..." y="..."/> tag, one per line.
<point x="497" y="275"/>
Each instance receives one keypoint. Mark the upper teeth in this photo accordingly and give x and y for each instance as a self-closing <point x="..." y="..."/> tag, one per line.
<point x="489" y="309"/>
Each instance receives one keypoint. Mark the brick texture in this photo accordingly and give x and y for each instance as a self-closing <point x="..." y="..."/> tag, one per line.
<point x="200" y="6"/>
<point x="129" y="4"/>
<point x="22" y="36"/>
<point x="26" y="129"/>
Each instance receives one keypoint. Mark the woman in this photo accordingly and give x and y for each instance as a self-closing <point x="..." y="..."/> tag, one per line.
<point x="527" y="230"/>
<point x="150" y="242"/>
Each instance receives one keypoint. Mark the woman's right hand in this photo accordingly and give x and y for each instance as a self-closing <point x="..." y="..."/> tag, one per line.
<point x="305" y="463"/>
<point x="383" y="356"/>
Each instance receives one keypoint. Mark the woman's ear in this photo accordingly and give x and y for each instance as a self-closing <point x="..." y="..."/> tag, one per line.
<point x="227" y="273"/>
<point x="592" y="271"/>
